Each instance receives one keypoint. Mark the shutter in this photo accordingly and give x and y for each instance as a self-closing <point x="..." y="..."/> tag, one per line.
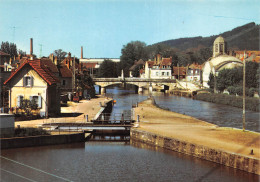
<point x="24" y="81"/>
<point x="39" y="101"/>
<point x="31" y="81"/>
<point x="18" y="104"/>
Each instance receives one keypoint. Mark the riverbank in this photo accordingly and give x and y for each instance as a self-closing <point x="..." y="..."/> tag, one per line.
<point x="191" y="131"/>
<point x="231" y="100"/>
<point x="74" y="112"/>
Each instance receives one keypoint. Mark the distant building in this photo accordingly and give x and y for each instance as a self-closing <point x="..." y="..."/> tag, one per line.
<point x="159" y="68"/>
<point x="179" y="72"/>
<point x="253" y="56"/>
<point x="219" y="61"/>
<point x="133" y="68"/>
<point x="194" y="72"/>
<point x="34" y="80"/>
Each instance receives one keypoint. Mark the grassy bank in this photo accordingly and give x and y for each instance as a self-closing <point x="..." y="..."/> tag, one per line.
<point x="231" y="100"/>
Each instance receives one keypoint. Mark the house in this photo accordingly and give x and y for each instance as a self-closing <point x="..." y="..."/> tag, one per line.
<point x="137" y="65"/>
<point x="194" y="72"/>
<point x="160" y="68"/>
<point x="179" y="72"/>
<point x="34" y="80"/>
<point x="253" y="56"/>
<point x="65" y="78"/>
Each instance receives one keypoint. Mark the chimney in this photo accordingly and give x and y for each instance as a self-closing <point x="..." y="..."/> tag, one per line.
<point x="31" y="47"/>
<point x="55" y="60"/>
<point x="81" y="52"/>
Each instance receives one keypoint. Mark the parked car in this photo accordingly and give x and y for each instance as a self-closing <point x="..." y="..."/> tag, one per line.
<point x="76" y="99"/>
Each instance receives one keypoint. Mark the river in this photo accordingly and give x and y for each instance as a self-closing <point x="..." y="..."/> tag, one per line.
<point x="113" y="161"/>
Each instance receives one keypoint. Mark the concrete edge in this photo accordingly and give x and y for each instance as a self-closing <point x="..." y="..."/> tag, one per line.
<point x="234" y="160"/>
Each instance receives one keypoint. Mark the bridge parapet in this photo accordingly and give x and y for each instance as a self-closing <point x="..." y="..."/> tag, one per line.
<point x="134" y="80"/>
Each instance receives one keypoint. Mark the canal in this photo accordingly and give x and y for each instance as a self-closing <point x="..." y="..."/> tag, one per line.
<point x="116" y="161"/>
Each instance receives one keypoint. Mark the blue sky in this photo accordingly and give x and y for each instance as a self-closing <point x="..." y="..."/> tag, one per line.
<point x="102" y="27"/>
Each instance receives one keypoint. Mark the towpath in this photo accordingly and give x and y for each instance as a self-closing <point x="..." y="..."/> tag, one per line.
<point x="192" y="130"/>
<point x="74" y="112"/>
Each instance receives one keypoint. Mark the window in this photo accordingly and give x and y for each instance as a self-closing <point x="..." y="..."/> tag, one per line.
<point x="36" y="100"/>
<point x="216" y="48"/>
<point x="28" y="81"/>
<point x="19" y="100"/>
<point x="63" y="82"/>
<point x="162" y="73"/>
<point x="167" y="73"/>
<point x="157" y="74"/>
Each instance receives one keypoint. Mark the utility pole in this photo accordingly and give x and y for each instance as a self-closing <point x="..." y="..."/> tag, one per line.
<point x="244" y="92"/>
<point x="73" y="75"/>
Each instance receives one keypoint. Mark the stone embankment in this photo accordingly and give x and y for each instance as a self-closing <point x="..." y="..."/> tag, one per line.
<point x="177" y="132"/>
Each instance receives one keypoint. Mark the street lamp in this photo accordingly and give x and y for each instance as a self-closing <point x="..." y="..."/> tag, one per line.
<point x="244" y="92"/>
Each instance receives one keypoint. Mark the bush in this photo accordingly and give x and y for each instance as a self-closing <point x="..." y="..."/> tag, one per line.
<point x="231" y="90"/>
<point x="239" y="90"/>
<point x="231" y="100"/>
<point x="252" y="91"/>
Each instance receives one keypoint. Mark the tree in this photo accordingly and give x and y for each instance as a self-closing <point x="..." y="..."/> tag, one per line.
<point x="134" y="50"/>
<point x="107" y="69"/>
<point x="60" y="54"/>
<point x="85" y="82"/>
<point x="9" y="48"/>
<point x="211" y="81"/>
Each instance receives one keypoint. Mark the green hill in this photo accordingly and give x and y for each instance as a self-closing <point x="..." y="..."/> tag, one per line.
<point x="240" y="38"/>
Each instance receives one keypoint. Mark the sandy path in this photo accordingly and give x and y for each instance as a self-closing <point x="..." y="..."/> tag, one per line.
<point x="186" y="128"/>
<point x="84" y="107"/>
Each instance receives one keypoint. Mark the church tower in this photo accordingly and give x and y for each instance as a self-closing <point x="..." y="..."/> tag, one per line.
<point x="219" y="47"/>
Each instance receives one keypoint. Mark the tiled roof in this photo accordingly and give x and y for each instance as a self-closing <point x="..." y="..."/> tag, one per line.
<point x="179" y="71"/>
<point x="89" y="65"/>
<point x="195" y="66"/>
<point x="150" y="64"/>
<point x="3" y="54"/>
<point x="65" y="72"/>
<point x="39" y="66"/>
<point x="47" y="62"/>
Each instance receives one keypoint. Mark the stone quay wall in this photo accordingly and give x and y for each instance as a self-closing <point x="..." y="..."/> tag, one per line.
<point x="32" y="141"/>
<point x="238" y="161"/>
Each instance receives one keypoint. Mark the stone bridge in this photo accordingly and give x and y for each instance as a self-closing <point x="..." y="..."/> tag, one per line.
<point x="140" y="83"/>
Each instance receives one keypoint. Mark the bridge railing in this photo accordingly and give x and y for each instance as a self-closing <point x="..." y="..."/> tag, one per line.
<point x="134" y="80"/>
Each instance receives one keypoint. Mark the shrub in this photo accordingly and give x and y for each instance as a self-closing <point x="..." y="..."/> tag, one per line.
<point x="252" y="91"/>
<point x="231" y="90"/>
<point x="239" y="90"/>
<point x="21" y="132"/>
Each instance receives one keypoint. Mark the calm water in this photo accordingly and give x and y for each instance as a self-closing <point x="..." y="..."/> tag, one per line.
<point x="112" y="161"/>
<point x="218" y="114"/>
<point x="117" y="161"/>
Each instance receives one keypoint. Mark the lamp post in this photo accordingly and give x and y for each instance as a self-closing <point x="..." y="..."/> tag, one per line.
<point x="244" y="92"/>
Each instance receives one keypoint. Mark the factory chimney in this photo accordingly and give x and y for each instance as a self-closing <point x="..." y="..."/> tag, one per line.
<point x="31" y="47"/>
<point x="81" y="52"/>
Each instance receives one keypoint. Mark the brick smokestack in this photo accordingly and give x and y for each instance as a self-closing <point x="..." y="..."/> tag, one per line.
<point x="31" y="47"/>
<point x="81" y="52"/>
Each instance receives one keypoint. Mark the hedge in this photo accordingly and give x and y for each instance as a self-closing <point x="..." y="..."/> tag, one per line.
<point x="231" y="100"/>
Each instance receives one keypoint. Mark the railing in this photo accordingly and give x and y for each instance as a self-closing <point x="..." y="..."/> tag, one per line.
<point x="134" y="80"/>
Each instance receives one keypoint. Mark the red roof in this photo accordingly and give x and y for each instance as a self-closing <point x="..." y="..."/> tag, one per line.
<point x="179" y="71"/>
<point x="195" y="66"/>
<point x="150" y="64"/>
<point x="3" y="54"/>
<point x="65" y="72"/>
<point x="47" y="62"/>
<point x="89" y="65"/>
<point x="39" y="66"/>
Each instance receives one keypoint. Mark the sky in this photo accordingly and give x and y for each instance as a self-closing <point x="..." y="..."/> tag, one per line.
<point x="103" y="27"/>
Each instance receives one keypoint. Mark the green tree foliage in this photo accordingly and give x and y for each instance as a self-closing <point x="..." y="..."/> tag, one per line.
<point x="107" y="69"/>
<point x="9" y="48"/>
<point x="211" y="81"/>
<point x="85" y="82"/>
<point x="234" y="77"/>
<point x="134" y="50"/>
<point x="60" y="54"/>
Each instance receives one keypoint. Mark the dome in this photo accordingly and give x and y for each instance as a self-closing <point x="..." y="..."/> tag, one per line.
<point x="219" y="39"/>
<point x="225" y="61"/>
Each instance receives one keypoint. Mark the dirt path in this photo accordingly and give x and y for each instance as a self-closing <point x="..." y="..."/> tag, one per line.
<point x="73" y="113"/>
<point x="186" y="128"/>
